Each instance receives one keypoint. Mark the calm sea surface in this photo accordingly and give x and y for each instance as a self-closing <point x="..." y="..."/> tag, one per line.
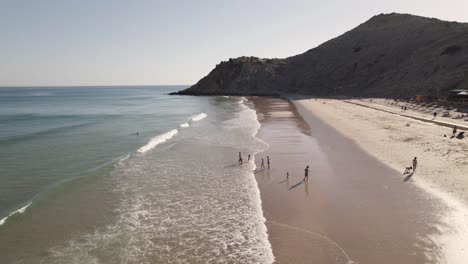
<point x="127" y="175"/>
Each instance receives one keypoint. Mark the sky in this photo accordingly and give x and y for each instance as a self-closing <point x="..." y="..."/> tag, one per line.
<point x="143" y="42"/>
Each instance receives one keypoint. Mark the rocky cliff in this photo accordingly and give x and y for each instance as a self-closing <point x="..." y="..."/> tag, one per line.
<point x="389" y="55"/>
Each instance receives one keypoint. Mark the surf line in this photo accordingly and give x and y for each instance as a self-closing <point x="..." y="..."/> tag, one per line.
<point x="158" y="140"/>
<point x="350" y="261"/>
<point x="198" y="117"/>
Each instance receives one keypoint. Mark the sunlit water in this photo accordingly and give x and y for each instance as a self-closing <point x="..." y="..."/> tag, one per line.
<point x="87" y="189"/>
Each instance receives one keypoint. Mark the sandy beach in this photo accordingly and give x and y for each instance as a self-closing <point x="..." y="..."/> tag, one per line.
<point x="394" y="140"/>
<point x="442" y="161"/>
<point x="355" y="207"/>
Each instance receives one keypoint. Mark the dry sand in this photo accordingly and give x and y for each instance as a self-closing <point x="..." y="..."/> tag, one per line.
<point x="353" y="208"/>
<point x="395" y="140"/>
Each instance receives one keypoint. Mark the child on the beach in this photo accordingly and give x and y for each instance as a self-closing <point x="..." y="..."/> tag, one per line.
<point x="454" y="131"/>
<point x="268" y="161"/>
<point x="240" y="159"/>
<point x="407" y="170"/>
<point x="306" y="173"/>
<point x="263" y="164"/>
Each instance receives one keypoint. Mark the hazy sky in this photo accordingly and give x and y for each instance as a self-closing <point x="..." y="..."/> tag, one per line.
<point x="104" y="42"/>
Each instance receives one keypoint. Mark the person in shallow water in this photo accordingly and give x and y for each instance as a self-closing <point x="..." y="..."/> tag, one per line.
<point x="240" y="159"/>
<point x="306" y="173"/>
<point x="268" y="161"/>
<point x="263" y="164"/>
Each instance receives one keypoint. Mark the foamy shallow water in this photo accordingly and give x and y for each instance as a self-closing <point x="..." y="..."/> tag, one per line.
<point x="184" y="201"/>
<point x="172" y="193"/>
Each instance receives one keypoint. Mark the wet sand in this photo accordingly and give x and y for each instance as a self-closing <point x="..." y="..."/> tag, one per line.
<point x="353" y="208"/>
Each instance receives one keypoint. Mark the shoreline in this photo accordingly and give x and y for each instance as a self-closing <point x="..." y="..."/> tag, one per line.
<point x="386" y="137"/>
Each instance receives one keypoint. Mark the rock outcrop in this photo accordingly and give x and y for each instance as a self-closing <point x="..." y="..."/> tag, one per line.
<point x="390" y="55"/>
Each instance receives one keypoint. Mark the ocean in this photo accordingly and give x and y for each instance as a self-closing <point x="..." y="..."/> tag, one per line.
<point x="128" y="175"/>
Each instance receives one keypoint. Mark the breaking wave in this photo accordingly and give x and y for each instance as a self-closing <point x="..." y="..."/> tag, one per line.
<point x="198" y="117"/>
<point x="158" y="140"/>
<point x="19" y="211"/>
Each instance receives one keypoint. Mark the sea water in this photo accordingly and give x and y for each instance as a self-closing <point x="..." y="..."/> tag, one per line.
<point x="128" y="175"/>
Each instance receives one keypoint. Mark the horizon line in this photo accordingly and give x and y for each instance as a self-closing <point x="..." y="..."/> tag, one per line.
<point x="115" y="85"/>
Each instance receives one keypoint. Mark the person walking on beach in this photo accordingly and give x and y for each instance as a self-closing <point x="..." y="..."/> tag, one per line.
<point x="415" y="163"/>
<point x="454" y="131"/>
<point x="263" y="164"/>
<point x="287" y="175"/>
<point x="435" y="115"/>
<point x="240" y="159"/>
<point x="268" y="161"/>
<point x="306" y="173"/>
<point x="248" y="158"/>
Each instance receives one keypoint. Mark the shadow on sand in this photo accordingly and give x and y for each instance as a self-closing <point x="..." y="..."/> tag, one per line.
<point x="297" y="184"/>
<point x="233" y="165"/>
<point x="408" y="176"/>
<point x="259" y="170"/>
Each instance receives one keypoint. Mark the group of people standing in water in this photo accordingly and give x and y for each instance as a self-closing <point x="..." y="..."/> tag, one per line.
<point x="262" y="166"/>
<point x="241" y="161"/>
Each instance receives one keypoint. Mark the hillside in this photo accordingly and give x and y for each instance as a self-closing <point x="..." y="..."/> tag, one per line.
<point x="389" y="55"/>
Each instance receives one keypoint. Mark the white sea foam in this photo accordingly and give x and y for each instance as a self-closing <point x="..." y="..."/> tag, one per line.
<point x="23" y="209"/>
<point x="158" y="140"/>
<point x="184" y="125"/>
<point x="2" y="221"/>
<point x="19" y="211"/>
<point x="183" y="205"/>
<point x="198" y="117"/>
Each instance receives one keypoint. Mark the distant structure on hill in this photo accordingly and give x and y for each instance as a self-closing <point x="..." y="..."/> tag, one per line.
<point x="421" y="98"/>
<point x="458" y="95"/>
<point x="390" y="55"/>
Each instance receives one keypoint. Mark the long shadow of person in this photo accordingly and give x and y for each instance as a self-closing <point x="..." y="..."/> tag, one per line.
<point x="258" y="170"/>
<point x="230" y="166"/>
<point x="408" y="176"/>
<point x="297" y="184"/>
